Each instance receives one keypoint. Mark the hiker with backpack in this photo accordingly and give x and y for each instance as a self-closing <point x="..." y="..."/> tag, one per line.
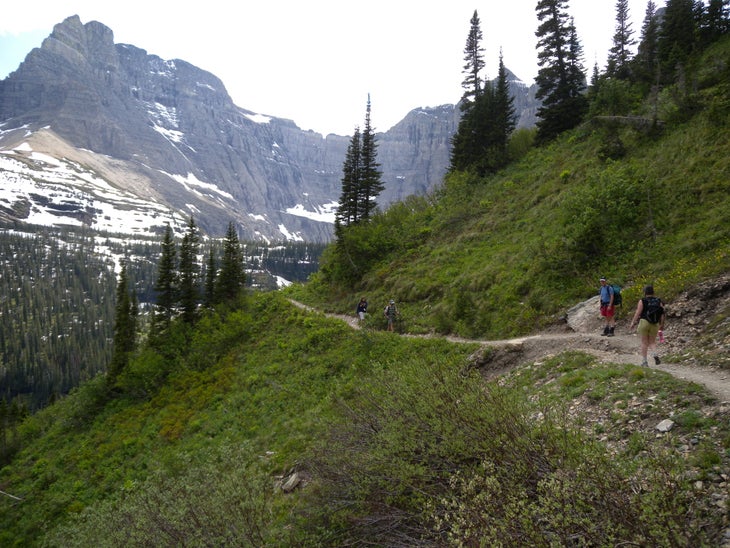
<point x="362" y="308"/>
<point x="608" y="307"/>
<point x="650" y="317"/>
<point x="390" y="312"/>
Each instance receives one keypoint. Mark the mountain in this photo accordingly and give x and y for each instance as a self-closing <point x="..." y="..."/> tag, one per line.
<point x="107" y="136"/>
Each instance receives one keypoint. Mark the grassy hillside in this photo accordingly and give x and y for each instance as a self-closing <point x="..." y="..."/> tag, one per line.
<point x="393" y="440"/>
<point x="266" y="425"/>
<point x="506" y="254"/>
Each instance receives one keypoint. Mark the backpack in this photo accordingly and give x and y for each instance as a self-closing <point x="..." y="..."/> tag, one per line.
<point x="653" y="309"/>
<point x="617" y="299"/>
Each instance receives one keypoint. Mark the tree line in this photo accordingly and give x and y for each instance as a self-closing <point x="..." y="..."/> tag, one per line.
<point x="668" y="39"/>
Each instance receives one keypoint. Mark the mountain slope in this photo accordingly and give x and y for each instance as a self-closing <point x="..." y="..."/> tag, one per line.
<point x="167" y="131"/>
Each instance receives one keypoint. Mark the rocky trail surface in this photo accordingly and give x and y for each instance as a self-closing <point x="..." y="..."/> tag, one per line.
<point x="697" y="346"/>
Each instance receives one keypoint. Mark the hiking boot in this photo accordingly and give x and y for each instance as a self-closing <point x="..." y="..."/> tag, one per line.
<point x="657" y="360"/>
<point x="605" y="332"/>
<point x="644" y="364"/>
<point x="610" y="332"/>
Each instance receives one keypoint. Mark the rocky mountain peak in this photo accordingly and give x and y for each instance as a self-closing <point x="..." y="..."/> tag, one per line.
<point x="167" y="131"/>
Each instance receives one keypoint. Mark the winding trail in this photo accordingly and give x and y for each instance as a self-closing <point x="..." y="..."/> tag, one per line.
<point x="618" y="349"/>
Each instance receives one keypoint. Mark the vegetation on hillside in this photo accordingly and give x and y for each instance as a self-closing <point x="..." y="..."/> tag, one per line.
<point x="260" y="424"/>
<point x="504" y="254"/>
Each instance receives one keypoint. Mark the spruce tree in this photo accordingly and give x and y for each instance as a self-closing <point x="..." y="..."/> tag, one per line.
<point x="371" y="184"/>
<point x="646" y="62"/>
<point x="125" y="327"/>
<point x="231" y="278"/>
<point x="361" y="178"/>
<point x="560" y="79"/>
<point x="619" y="56"/>
<point x="211" y="272"/>
<point x="678" y="36"/>
<point x="166" y="285"/>
<point x="189" y="271"/>
<point x="473" y="63"/>
<point x="717" y="21"/>
<point x="348" y="209"/>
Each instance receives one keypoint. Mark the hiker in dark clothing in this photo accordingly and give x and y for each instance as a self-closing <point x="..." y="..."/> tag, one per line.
<point x="390" y="312"/>
<point x="362" y="308"/>
<point x="650" y="317"/>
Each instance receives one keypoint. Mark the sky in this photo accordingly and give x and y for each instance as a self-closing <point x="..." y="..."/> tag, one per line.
<point x="317" y="61"/>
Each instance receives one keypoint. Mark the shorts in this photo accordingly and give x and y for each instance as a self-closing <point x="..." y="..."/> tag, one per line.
<point x="647" y="329"/>
<point x="607" y="311"/>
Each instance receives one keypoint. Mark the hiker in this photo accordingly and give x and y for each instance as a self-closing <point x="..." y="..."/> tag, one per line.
<point x="390" y="312"/>
<point x="608" y="310"/>
<point x="650" y="317"/>
<point x="362" y="308"/>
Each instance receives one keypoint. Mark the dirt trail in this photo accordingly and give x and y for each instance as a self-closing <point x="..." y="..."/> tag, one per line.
<point x="618" y="349"/>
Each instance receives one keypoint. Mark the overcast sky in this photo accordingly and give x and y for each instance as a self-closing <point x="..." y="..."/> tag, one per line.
<point x="316" y="61"/>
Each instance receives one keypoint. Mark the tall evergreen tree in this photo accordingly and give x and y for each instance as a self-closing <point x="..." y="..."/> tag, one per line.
<point x="480" y="143"/>
<point x="619" y="56"/>
<point x="560" y="79"/>
<point x="645" y="63"/>
<point x="473" y="63"/>
<point x="361" y="178"/>
<point x="717" y="21"/>
<point x="371" y="184"/>
<point x="211" y="271"/>
<point x="232" y="277"/>
<point x="189" y="271"/>
<point x="125" y="327"/>
<point x="166" y="285"/>
<point x="678" y="37"/>
<point x="348" y="211"/>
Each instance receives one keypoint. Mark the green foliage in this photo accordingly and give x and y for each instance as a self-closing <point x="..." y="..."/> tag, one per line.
<point x="506" y="254"/>
<point x="422" y="453"/>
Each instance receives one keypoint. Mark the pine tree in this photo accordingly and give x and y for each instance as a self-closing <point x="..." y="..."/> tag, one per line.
<point x="480" y="143"/>
<point x="189" y="291"/>
<point x="231" y="278"/>
<point x="125" y="327"/>
<point x="166" y="285"/>
<point x="361" y="178"/>
<point x="560" y="79"/>
<point x="717" y="21"/>
<point x="646" y="62"/>
<point x="619" y="56"/>
<point x="371" y="184"/>
<point x="473" y="63"/>
<point x="348" y="210"/>
<point x="210" y="278"/>
<point x="678" y="36"/>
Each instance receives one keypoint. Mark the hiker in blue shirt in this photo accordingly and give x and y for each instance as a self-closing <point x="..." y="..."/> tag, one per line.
<point x="607" y="308"/>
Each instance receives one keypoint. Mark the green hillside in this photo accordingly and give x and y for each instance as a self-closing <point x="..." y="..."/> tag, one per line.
<point x="506" y="254"/>
<point x="268" y="425"/>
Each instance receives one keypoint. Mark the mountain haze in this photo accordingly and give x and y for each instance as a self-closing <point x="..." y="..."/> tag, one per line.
<point x="168" y="135"/>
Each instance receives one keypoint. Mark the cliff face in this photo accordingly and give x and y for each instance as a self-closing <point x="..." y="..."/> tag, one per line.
<point x="168" y="132"/>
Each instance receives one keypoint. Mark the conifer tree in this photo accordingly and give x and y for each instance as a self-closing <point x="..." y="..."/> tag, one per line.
<point x="678" y="35"/>
<point x="619" y="56"/>
<point x="166" y="285"/>
<point x="125" y="326"/>
<point x="560" y="79"/>
<point x="231" y="278"/>
<point x="210" y="278"/>
<point x="645" y="63"/>
<point x="348" y="210"/>
<point x="361" y="178"/>
<point x="371" y="184"/>
<point x="189" y="273"/>
<point x="473" y="63"/>
<point x="717" y="21"/>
